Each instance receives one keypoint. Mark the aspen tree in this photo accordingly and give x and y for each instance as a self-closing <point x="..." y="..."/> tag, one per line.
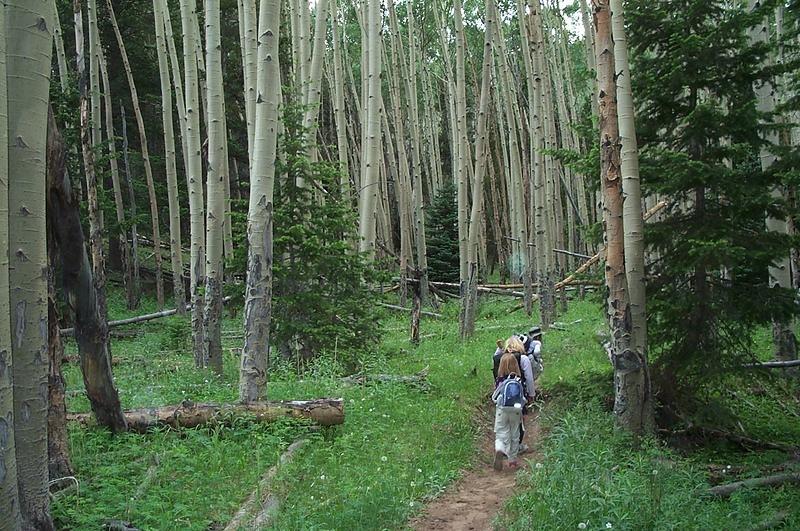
<point x="784" y="341"/>
<point x="470" y="300"/>
<point x="9" y="493"/>
<point x="128" y="279"/>
<point x="258" y="301"/>
<point x="460" y="151"/>
<point x="61" y="55"/>
<point x="247" y="36"/>
<point x="371" y="140"/>
<point x="215" y="213"/>
<point x="634" y="385"/>
<point x="194" y="176"/>
<point x="29" y="44"/>
<point x="313" y="84"/>
<point x="132" y="202"/>
<point x="338" y="101"/>
<point x="94" y="73"/>
<point x="148" y="170"/>
<point x="176" y="257"/>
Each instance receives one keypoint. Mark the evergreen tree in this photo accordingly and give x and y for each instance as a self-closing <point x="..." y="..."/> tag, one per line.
<point x="699" y="133"/>
<point x="442" y="236"/>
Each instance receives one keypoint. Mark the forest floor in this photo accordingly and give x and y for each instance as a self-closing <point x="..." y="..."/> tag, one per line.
<point x="475" y="500"/>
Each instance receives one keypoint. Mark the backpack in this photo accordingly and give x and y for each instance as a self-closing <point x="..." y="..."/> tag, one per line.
<point x="511" y="394"/>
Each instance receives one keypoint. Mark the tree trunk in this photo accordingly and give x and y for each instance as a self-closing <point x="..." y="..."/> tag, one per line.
<point x="313" y="85"/>
<point x="194" y="177"/>
<point x="258" y="301"/>
<point x="134" y="294"/>
<point x="29" y="46"/>
<point x="481" y="155"/>
<point x="216" y="191"/>
<point x="324" y="411"/>
<point x="247" y="37"/>
<point x="460" y="156"/>
<point x="371" y="140"/>
<point x="148" y="170"/>
<point x="784" y="341"/>
<point x="339" y="110"/>
<point x="127" y="266"/>
<point x="58" y="36"/>
<point x="632" y="385"/>
<point x="176" y="258"/>
<point x="9" y="493"/>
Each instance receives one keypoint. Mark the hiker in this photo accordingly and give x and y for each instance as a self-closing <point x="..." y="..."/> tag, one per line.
<point x="509" y="397"/>
<point x="516" y="345"/>
<point x="533" y="348"/>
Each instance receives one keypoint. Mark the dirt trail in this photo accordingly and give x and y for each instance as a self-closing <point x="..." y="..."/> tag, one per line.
<point x="473" y="501"/>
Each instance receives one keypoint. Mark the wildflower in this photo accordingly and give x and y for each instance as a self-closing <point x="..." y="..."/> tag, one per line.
<point x="412" y="485"/>
<point x="383" y="458"/>
<point x="539" y="465"/>
<point x="419" y="471"/>
<point x="655" y="472"/>
<point x="608" y="525"/>
<point x="322" y="477"/>
<point x="411" y="504"/>
<point x="582" y="525"/>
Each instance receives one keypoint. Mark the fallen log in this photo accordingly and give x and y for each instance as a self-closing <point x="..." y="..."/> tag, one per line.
<point x="139" y="319"/>
<point x="773" y="522"/>
<point x="723" y="491"/>
<point x="323" y="411"/>
<point x="741" y="440"/>
<point x="402" y="309"/>
<point x="773" y="364"/>
<point x="263" y="497"/>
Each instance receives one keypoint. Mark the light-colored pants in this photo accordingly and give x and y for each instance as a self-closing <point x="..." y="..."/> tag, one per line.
<point x="507" y="421"/>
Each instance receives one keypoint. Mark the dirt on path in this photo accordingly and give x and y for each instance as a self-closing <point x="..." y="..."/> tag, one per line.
<point x="472" y="502"/>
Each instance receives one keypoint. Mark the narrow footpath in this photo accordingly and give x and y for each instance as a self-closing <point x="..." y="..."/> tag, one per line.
<point x="472" y="502"/>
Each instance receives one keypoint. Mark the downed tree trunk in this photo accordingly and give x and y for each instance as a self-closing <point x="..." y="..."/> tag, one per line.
<point x="773" y="364"/>
<point x="263" y="498"/>
<point x="419" y="380"/>
<point x="741" y="440"/>
<point x="723" y="491"/>
<point x="139" y="318"/>
<point x="323" y="411"/>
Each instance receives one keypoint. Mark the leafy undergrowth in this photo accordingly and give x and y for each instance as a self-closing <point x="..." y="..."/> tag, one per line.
<point x="591" y="477"/>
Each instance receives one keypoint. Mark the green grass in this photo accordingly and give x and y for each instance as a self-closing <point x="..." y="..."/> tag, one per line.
<point x="399" y="447"/>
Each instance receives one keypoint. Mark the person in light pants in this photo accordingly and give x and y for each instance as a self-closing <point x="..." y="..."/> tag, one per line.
<point x="507" y="420"/>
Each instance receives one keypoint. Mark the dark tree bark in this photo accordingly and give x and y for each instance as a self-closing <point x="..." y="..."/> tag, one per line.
<point x="91" y="328"/>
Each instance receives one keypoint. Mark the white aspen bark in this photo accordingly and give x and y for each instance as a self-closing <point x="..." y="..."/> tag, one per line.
<point x="201" y="63"/>
<point x="177" y="81"/>
<point x="29" y="44"/>
<point x="304" y="42"/>
<point x="194" y="177"/>
<point x="784" y="341"/>
<point x="470" y="300"/>
<point x="175" y="245"/>
<point x="417" y="198"/>
<point x="247" y="31"/>
<point x="636" y="383"/>
<point x="215" y="213"/>
<point x="461" y="149"/>
<point x="148" y="170"/>
<point x="9" y="493"/>
<point x="227" y="228"/>
<point x="131" y="287"/>
<point x="58" y="36"/>
<point x="94" y="73"/>
<point x="339" y="111"/>
<point x="371" y="140"/>
<point x="313" y="86"/>
<point x="258" y="301"/>
<point x="588" y="43"/>
<point x="632" y="205"/>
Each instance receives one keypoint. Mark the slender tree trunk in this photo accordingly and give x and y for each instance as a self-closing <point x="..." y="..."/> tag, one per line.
<point x="135" y="291"/>
<point x="460" y="155"/>
<point x="216" y="189"/>
<point x="29" y="46"/>
<point x="94" y="75"/>
<point x="176" y="258"/>
<point x="247" y="33"/>
<point x="9" y="493"/>
<point x="784" y="341"/>
<point x="313" y="84"/>
<point x="258" y="301"/>
<point x="481" y="156"/>
<point x="371" y="140"/>
<point x="63" y="70"/>
<point x="148" y="170"/>
<point x="338" y="102"/>
<point x="194" y="177"/>
<point x="632" y="386"/>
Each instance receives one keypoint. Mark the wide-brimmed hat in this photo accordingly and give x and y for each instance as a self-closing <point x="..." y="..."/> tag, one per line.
<point x="535" y="331"/>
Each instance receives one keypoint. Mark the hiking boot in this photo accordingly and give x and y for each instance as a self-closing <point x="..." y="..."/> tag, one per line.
<point x="498" y="460"/>
<point x="524" y="448"/>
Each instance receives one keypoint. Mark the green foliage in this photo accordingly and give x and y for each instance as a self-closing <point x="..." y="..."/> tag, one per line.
<point x="441" y="228"/>
<point x="699" y="135"/>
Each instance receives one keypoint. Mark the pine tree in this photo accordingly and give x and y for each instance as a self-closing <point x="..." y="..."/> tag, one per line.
<point x="442" y="240"/>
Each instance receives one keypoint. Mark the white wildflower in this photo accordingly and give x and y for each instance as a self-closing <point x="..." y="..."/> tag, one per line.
<point x="582" y="525"/>
<point x="384" y="458"/>
<point x="539" y="465"/>
<point x="419" y="471"/>
<point x="608" y="525"/>
<point x="322" y="477"/>
<point x="655" y="472"/>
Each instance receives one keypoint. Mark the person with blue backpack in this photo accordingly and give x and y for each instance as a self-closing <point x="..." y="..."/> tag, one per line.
<point x="509" y="398"/>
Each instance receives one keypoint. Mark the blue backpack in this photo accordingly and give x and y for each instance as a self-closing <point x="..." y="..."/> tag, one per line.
<point x="511" y="393"/>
